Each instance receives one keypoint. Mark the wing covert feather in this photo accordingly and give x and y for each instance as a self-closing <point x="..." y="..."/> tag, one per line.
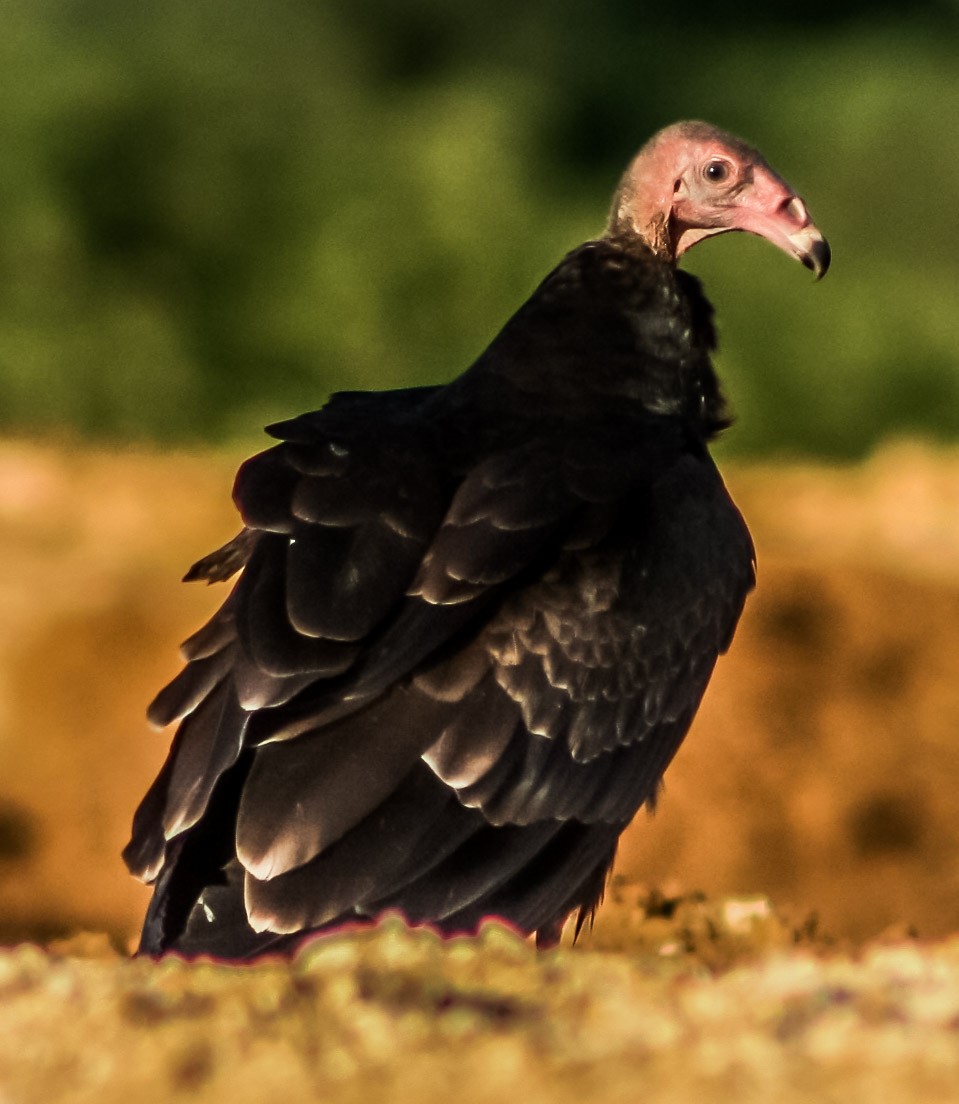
<point x="605" y="659"/>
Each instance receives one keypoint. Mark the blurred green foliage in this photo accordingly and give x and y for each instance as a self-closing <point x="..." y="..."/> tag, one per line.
<point x="216" y="212"/>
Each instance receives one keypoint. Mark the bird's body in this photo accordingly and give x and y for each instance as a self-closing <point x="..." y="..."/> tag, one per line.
<point x="473" y="625"/>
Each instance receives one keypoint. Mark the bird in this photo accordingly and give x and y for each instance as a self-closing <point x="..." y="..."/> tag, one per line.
<point x="472" y="622"/>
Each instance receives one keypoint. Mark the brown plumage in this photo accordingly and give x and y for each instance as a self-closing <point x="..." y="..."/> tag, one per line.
<point x="473" y="622"/>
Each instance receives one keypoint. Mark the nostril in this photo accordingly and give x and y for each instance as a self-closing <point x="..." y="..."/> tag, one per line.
<point x="796" y="210"/>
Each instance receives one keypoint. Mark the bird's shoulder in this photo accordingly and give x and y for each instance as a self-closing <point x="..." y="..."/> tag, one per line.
<point x="611" y="324"/>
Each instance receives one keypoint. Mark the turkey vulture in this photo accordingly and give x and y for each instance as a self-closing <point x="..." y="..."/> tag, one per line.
<point x="472" y="622"/>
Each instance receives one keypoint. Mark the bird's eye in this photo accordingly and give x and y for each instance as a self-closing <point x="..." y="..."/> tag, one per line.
<point x="716" y="171"/>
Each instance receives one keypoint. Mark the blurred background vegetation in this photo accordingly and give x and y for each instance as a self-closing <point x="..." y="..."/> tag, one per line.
<point x="214" y="212"/>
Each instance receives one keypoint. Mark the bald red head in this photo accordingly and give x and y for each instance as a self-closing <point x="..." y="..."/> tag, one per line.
<point x="692" y="181"/>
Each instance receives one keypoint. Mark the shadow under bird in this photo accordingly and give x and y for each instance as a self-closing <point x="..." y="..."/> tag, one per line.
<point x="472" y="622"/>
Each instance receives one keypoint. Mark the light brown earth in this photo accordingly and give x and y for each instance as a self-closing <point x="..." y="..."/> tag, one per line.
<point x="822" y="773"/>
<point x="713" y="1003"/>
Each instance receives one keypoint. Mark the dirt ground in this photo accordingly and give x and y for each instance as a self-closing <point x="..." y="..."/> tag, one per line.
<point x="712" y="1002"/>
<point x="822" y="772"/>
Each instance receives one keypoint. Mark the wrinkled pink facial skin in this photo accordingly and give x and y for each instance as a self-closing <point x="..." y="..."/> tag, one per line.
<point x="692" y="181"/>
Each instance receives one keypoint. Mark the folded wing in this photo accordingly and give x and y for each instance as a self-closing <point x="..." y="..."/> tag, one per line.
<point x="445" y="695"/>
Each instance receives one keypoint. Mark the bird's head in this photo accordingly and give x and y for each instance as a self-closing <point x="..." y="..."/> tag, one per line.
<point x="692" y="180"/>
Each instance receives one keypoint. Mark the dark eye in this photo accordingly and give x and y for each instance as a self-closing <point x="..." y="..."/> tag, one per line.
<point x="716" y="171"/>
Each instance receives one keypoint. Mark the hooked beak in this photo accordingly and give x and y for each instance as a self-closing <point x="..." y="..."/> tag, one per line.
<point x="770" y="210"/>
<point x="812" y="249"/>
<point x="787" y="225"/>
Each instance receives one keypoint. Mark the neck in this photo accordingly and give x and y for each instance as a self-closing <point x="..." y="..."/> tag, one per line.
<point x="655" y="235"/>
<point x="642" y="205"/>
